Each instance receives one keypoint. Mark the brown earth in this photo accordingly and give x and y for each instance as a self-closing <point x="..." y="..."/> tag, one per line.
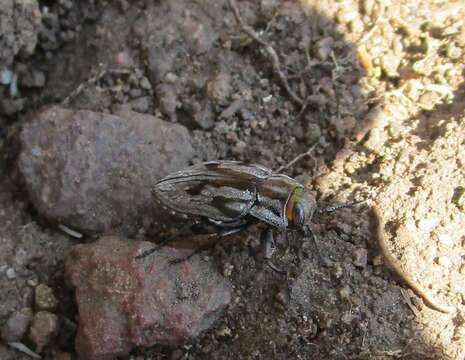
<point x="381" y="84"/>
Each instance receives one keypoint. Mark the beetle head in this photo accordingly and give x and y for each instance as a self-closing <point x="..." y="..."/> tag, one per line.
<point x="300" y="208"/>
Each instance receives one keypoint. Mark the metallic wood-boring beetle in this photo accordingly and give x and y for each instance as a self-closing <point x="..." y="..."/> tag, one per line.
<point x="232" y="195"/>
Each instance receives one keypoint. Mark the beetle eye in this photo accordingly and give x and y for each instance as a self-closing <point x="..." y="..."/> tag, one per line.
<point x="298" y="215"/>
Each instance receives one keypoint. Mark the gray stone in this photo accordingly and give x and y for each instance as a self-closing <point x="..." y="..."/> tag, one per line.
<point x="17" y="324"/>
<point x="20" y="22"/>
<point x="93" y="172"/>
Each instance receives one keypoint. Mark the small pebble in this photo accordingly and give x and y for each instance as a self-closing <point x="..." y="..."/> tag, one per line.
<point x="282" y="297"/>
<point x="390" y="63"/>
<point x="171" y="78"/>
<point x="228" y="269"/>
<point x="324" y="48"/>
<point x="44" y="327"/>
<point x="6" y="76"/>
<point x="426" y="224"/>
<point x="346" y="318"/>
<point x="338" y="271"/>
<point x="239" y="148"/>
<point x="345" y="292"/>
<point x="312" y="134"/>
<point x="377" y="260"/>
<point x="123" y="58"/>
<point x="446" y="239"/>
<point x="45" y="298"/>
<point x="264" y="83"/>
<point x="38" y="79"/>
<point x="224" y="331"/>
<point x="145" y="84"/>
<point x="445" y="262"/>
<point x="141" y="104"/>
<point x="32" y="282"/>
<point x="11" y="274"/>
<point x="454" y="52"/>
<point x="360" y="258"/>
<point x="16" y="326"/>
<point x="235" y="106"/>
<point x="232" y="137"/>
<point x="267" y="99"/>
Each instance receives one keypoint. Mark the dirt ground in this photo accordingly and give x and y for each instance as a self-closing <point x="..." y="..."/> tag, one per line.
<point x="375" y="85"/>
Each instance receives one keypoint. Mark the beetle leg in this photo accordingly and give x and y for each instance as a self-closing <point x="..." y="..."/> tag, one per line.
<point x="218" y="235"/>
<point x="308" y="232"/>
<point x="269" y="247"/>
<point x="164" y="242"/>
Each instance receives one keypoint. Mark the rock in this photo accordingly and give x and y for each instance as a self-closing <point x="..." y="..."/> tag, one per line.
<point x="197" y="116"/>
<point x="166" y="93"/>
<point x="10" y="273"/>
<point x="324" y="48"/>
<point x="45" y="298"/>
<point x="20" y="22"/>
<point x="445" y="261"/>
<point x="426" y="224"/>
<point x="43" y="329"/>
<point x="125" y="302"/>
<point x="312" y="134"/>
<point x="6" y="76"/>
<point x="239" y="148"/>
<point x="453" y="52"/>
<point x="17" y="324"/>
<point x="390" y="64"/>
<point x="219" y="88"/>
<point x="93" y="172"/>
<point x="199" y="35"/>
<point x="141" y="104"/>
<point x="160" y="62"/>
<point x="234" y="107"/>
<point x="376" y="139"/>
<point x="445" y="239"/>
<point x="344" y="126"/>
<point x="361" y="258"/>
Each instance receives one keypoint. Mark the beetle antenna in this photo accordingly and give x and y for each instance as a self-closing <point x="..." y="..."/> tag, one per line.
<point x="340" y="206"/>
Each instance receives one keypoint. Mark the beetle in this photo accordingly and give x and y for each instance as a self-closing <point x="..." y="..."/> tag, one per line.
<point x="233" y="195"/>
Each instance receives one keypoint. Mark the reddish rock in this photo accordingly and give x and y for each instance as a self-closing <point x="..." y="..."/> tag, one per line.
<point x="93" y="172"/>
<point x="125" y="302"/>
